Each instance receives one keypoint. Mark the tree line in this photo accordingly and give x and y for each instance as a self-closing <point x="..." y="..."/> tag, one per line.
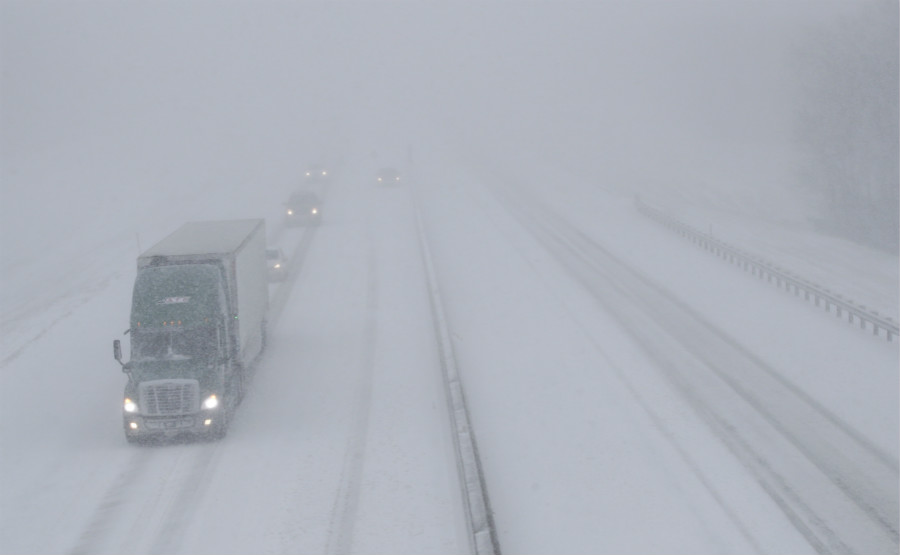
<point x="848" y="126"/>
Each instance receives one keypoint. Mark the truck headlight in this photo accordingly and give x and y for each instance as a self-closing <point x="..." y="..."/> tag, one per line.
<point x="211" y="402"/>
<point x="130" y="406"/>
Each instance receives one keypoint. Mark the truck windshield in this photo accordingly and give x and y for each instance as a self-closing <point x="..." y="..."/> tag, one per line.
<point x="197" y="343"/>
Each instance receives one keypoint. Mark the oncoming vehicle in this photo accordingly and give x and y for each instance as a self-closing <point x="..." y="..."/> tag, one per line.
<point x="277" y="264"/>
<point x="387" y="176"/>
<point x="316" y="174"/>
<point x="302" y="208"/>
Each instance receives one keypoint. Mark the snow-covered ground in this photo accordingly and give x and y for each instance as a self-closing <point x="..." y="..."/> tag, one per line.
<point x="628" y="392"/>
<point x="602" y="424"/>
<point x="547" y="356"/>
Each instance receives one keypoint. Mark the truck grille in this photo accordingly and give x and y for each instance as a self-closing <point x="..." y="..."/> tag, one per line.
<point x="169" y="397"/>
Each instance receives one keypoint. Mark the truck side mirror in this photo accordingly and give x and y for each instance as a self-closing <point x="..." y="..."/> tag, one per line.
<point x="117" y="354"/>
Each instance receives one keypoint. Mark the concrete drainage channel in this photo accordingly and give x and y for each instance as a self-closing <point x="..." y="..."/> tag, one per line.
<point x="773" y="274"/>
<point x="479" y="519"/>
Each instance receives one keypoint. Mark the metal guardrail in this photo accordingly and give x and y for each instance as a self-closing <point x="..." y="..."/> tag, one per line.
<point x="480" y="519"/>
<point x="771" y="272"/>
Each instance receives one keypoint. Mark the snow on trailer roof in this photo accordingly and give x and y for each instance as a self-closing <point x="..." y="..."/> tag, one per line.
<point x="217" y="237"/>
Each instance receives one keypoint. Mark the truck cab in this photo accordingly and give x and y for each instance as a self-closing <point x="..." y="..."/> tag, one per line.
<point x="179" y="376"/>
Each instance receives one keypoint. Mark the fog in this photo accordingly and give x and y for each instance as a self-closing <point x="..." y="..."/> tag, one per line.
<point x="623" y="91"/>
<point x="629" y="392"/>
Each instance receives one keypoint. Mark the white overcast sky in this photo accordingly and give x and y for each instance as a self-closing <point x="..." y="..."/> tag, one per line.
<point x="116" y="95"/>
<point x="637" y="76"/>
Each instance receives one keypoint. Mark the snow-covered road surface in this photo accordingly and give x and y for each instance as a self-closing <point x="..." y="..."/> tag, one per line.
<point x="628" y="393"/>
<point x="794" y="446"/>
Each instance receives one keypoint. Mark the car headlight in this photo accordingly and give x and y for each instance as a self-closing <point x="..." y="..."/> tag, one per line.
<point x="324" y="172"/>
<point x="277" y="266"/>
<point x="290" y="212"/>
<point x="211" y="402"/>
<point x="315" y="211"/>
<point x="129" y="405"/>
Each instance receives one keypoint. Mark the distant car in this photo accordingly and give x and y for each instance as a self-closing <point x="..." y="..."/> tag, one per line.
<point x="302" y="208"/>
<point x="316" y="174"/>
<point x="277" y="264"/>
<point x="388" y="175"/>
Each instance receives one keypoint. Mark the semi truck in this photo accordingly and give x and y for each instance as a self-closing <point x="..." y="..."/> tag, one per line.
<point x="198" y="324"/>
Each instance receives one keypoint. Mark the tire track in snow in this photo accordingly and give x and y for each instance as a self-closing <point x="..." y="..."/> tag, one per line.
<point x="658" y="422"/>
<point x="125" y="521"/>
<point x="176" y="514"/>
<point x="346" y="502"/>
<point x="112" y="505"/>
<point x="837" y="488"/>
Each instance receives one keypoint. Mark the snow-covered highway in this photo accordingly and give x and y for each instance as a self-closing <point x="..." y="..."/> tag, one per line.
<point x="618" y="403"/>
<point x="503" y="349"/>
